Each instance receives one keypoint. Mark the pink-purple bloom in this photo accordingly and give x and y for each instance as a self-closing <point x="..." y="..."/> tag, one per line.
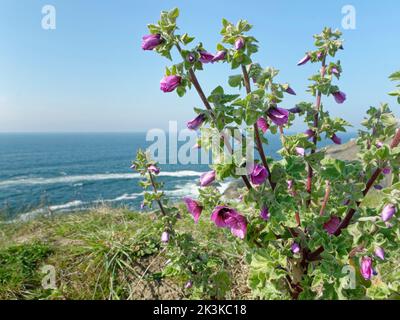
<point x="296" y="109"/>
<point x="334" y="70"/>
<point x="196" y="122"/>
<point x="310" y="133"/>
<point x="207" y="178"/>
<point x="332" y="224"/>
<point x="165" y="237"/>
<point x="387" y="170"/>
<point x="336" y="139"/>
<point x="191" y="57"/>
<point x="194" y="208"/>
<point x="290" y="184"/>
<point x="206" y="57"/>
<point x="263" y="124"/>
<point x="153" y="169"/>
<point x="279" y="116"/>
<point x="303" y="61"/>
<point x="380" y="253"/>
<point x="264" y="214"/>
<point x="378" y="187"/>
<point x="388" y="212"/>
<point x="379" y="144"/>
<point x="239" y="43"/>
<point x="295" y="248"/>
<point x="366" y="268"/>
<point x="170" y="83"/>
<point x="339" y="96"/>
<point x="258" y="175"/>
<point x="189" y="284"/>
<point x="220" y="55"/>
<point x="289" y="90"/>
<point x="225" y="217"/>
<point x="151" y="41"/>
<point x="300" y="151"/>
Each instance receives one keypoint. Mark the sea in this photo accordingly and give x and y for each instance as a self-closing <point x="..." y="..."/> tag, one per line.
<point x="46" y="173"/>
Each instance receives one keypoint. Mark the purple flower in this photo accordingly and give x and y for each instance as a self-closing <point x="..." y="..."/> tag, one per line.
<point x="225" y="217"/>
<point x="258" y="175"/>
<point x="151" y="41"/>
<point x="290" y="184"/>
<point x="206" y="57"/>
<point x="191" y="57"/>
<point x="379" y="144"/>
<point x="310" y="133"/>
<point x="304" y="60"/>
<point x="334" y="70"/>
<point x="170" y="83"/>
<point x="239" y="43"/>
<point x="220" y="55"/>
<point x="194" y="208"/>
<point x="153" y="169"/>
<point x="300" y="151"/>
<point x="378" y="187"/>
<point x="207" y="178"/>
<point x="142" y="206"/>
<point x="388" y="212"/>
<point x="279" y="116"/>
<point x="319" y="55"/>
<point x="380" y="253"/>
<point x="296" y="109"/>
<point x="165" y="237"/>
<point x="196" y="122"/>
<point x="264" y="214"/>
<point x="339" y="96"/>
<point x="332" y="225"/>
<point x="366" y="268"/>
<point x="133" y="167"/>
<point x="189" y="284"/>
<point x="289" y="90"/>
<point x="336" y="139"/>
<point x="263" y="124"/>
<point x="295" y="248"/>
<point x="387" y="170"/>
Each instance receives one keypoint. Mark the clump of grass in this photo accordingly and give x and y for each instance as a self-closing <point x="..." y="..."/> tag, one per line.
<point x="19" y="269"/>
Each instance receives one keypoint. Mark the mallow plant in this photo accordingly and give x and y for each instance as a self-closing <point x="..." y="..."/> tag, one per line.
<point x="311" y="228"/>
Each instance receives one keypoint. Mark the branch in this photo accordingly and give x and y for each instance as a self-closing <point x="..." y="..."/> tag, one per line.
<point x="346" y="221"/>
<point x="315" y="138"/>
<point x="257" y="131"/>
<point x="155" y="190"/>
<point x="196" y="84"/>
<point x="326" y="198"/>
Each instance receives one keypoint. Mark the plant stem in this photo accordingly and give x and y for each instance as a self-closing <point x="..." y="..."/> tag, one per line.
<point x="326" y="198"/>
<point x="196" y="84"/>
<point x="315" y="138"/>
<point x="257" y="131"/>
<point x="155" y="190"/>
<point x="346" y="221"/>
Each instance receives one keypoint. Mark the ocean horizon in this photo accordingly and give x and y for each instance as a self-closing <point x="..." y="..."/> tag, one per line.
<point x="63" y="172"/>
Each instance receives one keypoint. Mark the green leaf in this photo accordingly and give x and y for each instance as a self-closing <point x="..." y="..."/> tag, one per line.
<point x="235" y="81"/>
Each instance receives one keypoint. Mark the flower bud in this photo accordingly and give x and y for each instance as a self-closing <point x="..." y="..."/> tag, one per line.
<point x="263" y="124"/>
<point x="170" y="83"/>
<point x="339" y="96"/>
<point x="165" y="237"/>
<point x="258" y="175"/>
<point x="206" y="57"/>
<point x="196" y="122"/>
<point x="151" y="41"/>
<point x="304" y="60"/>
<point x="207" y="178"/>
<point x="295" y="248"/>
<point x="264" y="214"/>
<point x="220" y="55"/>
<point x="239" y="43"/>
<point x="366" y="268"/>
<point x="380" y="253"/>
<point x="336" y="139"/>
<point x="388" y="212"/>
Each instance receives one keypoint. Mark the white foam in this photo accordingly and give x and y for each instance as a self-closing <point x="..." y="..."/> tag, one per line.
<point x="91" y="177"/>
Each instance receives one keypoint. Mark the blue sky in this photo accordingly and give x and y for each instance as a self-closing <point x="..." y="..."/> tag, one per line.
<point x="90" y="74"/>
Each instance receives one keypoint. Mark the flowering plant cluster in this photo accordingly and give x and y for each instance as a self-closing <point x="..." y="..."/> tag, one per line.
<point x="305" y="217"/>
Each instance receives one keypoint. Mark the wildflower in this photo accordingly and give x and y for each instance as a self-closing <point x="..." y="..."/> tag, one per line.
<point x="206" y="57"/>
<point x="339" y="96"/>
<point x="289" y="90"/>
<point x="239" y="43"/>
<point x="380" y="253"/>
<point x="225" y="217"/>
<point x="279" y="116"/>
<point x="165" y="237"/>
<point x="170" y="83"/>
<point x="263" y="124"/>
<point x="220" y="55"/>
<point x="207" y="178"/>
<point x="336" y="139"/>
<point x="310" y="133"/>
<point x="153" y="169"/>
<point x="300" y="151"/>
<point x="332" y="225"/>
<point x="196" y="122"/>
<point x="194" y="208"/>
<point x="304" y="60"/>
<point x="366" y="268"/>
<point x="258" y="175"/>
<point x="151" y="41"/>
<point x="388" y="212"/>
<point x="387" y="170"/>
<point x="264" y="214"/>
<point x="295" y="248"/>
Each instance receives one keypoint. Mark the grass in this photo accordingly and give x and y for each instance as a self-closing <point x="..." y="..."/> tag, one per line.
<point x="110" y="254"/>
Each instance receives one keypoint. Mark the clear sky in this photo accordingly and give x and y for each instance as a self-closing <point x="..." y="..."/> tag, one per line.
<point x="90" y="74"/>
